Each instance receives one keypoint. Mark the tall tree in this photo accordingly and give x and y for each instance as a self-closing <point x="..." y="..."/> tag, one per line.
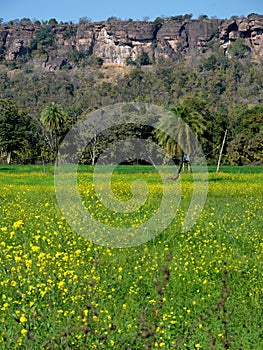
<point x="247" y="145"/>
<point x="16" y="129"/>
<point x="53" y="118"/>
<point x="183" y="127"/>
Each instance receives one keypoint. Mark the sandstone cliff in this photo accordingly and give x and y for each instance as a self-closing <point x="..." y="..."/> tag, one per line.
<point x="115" y="41"/>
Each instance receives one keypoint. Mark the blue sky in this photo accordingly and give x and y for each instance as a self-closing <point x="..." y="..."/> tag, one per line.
<point x="97" y="10"/>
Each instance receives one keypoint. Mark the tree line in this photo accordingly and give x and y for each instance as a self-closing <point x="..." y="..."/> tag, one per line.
<point x="27" y="140"/>
<point x="85" y="19"/>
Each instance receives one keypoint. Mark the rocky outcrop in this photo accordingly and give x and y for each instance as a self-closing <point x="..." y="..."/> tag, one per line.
<point x="184" y="37"/>
<point x="54" y="64"/>
<point x="250" y="29"/>
<point x="116" y="41"/>
<point x="15" y="40"/>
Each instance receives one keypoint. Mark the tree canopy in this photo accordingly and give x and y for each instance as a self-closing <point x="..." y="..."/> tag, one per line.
<point x="18" y="132"/>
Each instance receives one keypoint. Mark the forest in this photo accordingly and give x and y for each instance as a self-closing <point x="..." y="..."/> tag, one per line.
<point x="223" y="89"/>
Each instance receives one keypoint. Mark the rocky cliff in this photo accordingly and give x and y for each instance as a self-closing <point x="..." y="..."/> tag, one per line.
<point x="116" y="41"/>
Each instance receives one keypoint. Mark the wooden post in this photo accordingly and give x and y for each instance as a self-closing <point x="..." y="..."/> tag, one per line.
<point x="221" y="152"/>
<point x="43" y="164"/>
<point x="8" y="158"/>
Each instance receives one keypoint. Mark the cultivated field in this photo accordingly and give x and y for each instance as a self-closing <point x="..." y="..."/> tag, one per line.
<point x="200" y="289"/>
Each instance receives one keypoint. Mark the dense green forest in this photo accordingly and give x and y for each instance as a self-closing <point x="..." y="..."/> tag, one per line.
<point x="226" y="90"/>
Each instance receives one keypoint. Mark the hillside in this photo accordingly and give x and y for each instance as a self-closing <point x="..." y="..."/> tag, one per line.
<point x="215" y="66"/>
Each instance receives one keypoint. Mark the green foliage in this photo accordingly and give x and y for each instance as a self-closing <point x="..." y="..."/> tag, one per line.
<point x="113" y="19"/>
<point x="53" y="118"/>
<point x="247" y="145"/>
<point x="44" y="38"/>
<point x="143" y="59"/>
<point x="181" y="126"/>
<point x="18" y="132"/>
<point x="70" y="31"/>
<point x="79" y="58"/>
<point x="25" y="21"/>
<point x="211" y="62"/>
<point x="238" y="48"/>
<point x="158" y="22"/>
<point x="181" y="17"/>
<point x="52" y="22"/>
<point x="98" y="61"/>
<point x="84" y="20"/>
<point x="37" y="23"/>
<point x="130" y="62"/>
<point x="202" y="17"/>
<point x="245" y="150"/>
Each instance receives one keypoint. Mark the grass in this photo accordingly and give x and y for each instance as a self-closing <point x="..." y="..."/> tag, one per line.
<point x="200" y="289"/>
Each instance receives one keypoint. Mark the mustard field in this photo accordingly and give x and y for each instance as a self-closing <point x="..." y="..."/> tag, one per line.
<point x="200" y="288"/>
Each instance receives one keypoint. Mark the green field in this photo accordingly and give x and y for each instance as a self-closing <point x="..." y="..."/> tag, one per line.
<point x="200" y="289"/>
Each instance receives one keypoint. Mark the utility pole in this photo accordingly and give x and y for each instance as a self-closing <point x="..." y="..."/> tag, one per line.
<point x="221" y="152"/>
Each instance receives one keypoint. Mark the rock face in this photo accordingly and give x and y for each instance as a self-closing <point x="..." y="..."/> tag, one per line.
<point x="116" y="41"/>
<point x="185" y="37"/>
<point x="250" y="29"/>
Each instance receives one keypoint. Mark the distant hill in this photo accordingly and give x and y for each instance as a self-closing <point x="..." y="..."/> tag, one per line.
<point x="121" y="42"/>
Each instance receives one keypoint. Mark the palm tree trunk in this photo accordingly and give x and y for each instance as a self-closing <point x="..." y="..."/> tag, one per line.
<point x="56" y="149"/>
<point x="178" y="171"/>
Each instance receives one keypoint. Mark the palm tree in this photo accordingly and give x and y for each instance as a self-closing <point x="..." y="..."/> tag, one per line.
<point x="53" y="118"/>
<point x="183" y="127"/>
